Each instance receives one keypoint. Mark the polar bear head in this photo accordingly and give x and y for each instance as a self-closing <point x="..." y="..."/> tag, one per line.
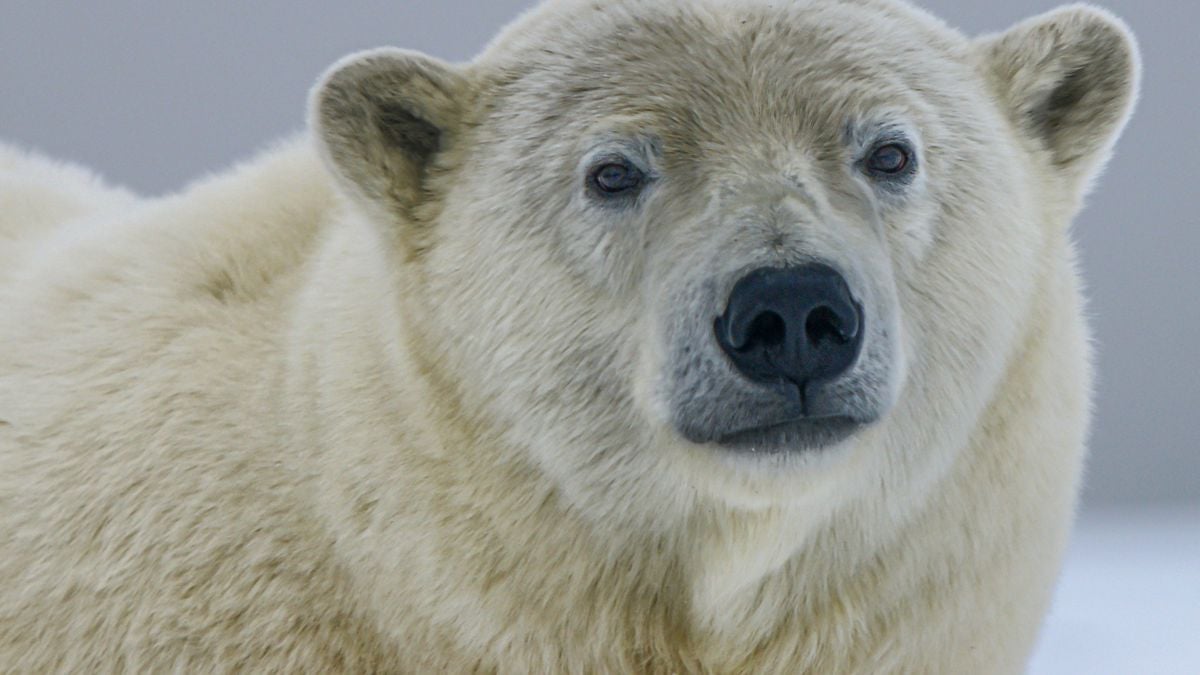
<point x="755" y="252"/>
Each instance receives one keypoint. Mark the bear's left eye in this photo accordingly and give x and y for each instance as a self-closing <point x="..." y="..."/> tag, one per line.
<point x="615" y="177"/>
<point x="891" y="159"/>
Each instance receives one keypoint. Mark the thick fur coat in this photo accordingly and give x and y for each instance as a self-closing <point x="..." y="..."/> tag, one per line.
<point x="407" y="394"/>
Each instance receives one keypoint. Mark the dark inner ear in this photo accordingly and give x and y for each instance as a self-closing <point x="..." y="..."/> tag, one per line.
<point x="1086" y="104"/>
<point x="1069" y="78"/>
<point x="408" y="133"/>
<point x="384" y="117"/>
<point x="1053" y="115"/>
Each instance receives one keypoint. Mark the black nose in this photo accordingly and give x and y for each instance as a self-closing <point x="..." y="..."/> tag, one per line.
<point x="797" y="323"/>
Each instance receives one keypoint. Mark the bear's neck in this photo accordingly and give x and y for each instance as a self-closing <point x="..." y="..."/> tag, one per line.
<point x="458" y="547"/>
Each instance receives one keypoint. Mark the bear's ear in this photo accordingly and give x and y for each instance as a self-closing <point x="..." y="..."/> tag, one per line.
<point x="380" y="118"/>
<point x="1069" y="79"/>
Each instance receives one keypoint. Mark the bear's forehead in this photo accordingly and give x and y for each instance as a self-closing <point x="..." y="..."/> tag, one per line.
<point x="721" y="64"/>
<point x="579" y="22"/>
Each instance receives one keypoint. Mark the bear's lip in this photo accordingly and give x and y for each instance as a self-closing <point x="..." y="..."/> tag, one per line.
<point x="793" y="435"/>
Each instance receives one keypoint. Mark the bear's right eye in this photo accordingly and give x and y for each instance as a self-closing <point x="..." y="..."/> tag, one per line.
<point x="615" y="178"/>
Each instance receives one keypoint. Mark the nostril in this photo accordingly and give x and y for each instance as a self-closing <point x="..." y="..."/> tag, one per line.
<point x="797" y="324"/>
<point x="766" y="330"/>
<point x="822" y="324"/>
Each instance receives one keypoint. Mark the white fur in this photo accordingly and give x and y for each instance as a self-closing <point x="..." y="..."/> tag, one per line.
<point x="355" y="406"/>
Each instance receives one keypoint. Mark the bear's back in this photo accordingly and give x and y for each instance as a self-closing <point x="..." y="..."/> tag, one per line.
<point x="38" y="195"/>
<point x="145" y="490"/>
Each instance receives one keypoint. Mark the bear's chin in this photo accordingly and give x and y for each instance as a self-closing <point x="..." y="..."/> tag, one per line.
<point x="792" y="436"/>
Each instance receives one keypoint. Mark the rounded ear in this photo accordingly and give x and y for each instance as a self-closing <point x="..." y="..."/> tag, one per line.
<point x="1069" y="79"/>
<point x="380" y="117"/>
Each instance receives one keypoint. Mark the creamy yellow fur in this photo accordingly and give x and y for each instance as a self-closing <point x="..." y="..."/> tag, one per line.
<point x="331" y="411"/>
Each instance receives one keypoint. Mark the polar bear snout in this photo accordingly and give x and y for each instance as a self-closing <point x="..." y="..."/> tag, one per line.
<point x="795" y="358"/>
<point x="790" y="337"/>
<point x="794" y="324"/>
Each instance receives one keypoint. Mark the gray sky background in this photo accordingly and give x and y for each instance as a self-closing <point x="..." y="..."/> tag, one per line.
<point x="153" y="94"/>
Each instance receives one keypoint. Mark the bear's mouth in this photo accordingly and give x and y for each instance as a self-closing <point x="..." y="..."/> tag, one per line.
<point x="794" y="435"/>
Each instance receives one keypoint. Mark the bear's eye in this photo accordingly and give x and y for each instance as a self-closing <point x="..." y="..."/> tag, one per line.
<point x="889" y="160"/>
<point x="613" y="178"/>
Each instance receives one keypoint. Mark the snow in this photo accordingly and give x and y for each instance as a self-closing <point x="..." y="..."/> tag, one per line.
<point x="1128" y="602"/>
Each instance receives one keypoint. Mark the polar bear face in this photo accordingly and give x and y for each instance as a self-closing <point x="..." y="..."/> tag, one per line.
<point x="749" y="251"/>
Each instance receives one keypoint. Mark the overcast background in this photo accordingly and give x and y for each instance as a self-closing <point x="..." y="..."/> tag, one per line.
<point x="153" y="94"/>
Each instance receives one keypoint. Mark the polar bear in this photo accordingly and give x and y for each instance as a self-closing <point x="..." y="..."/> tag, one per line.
<point x="664" y="336"/>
